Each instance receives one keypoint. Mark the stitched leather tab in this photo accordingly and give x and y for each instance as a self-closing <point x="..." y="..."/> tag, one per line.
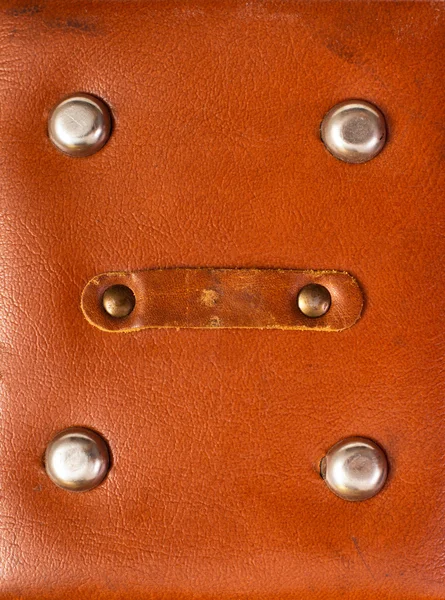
<point x="223" y="298"/>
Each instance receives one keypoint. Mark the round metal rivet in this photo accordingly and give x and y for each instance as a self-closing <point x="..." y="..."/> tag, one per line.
<point x="80" y="125"/>
<point x="355" y="469"/>
<point x="77" y="459"/>
<point x="314" y="300"/>
<point x="118" y="301"/>
<point x="354" y="131"/>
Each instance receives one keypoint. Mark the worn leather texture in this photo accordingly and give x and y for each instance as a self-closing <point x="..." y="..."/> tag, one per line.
<point x="217" y="435"/>
<point x="223" y="298"/>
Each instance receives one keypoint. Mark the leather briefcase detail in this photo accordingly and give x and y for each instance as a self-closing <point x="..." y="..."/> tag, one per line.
<point x="249" y="195"/>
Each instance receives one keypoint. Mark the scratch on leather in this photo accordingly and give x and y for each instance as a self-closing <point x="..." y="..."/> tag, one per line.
<point x="362" y="558"/>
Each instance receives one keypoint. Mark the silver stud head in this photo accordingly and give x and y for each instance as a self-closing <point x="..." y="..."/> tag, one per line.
<point x="355" y="469"/>
<point x="314" y="300"/>
<point x="77" y="459"/>
<point x="118" y="301"/>
<point x="80" y="125"/>
<point x="354" y="131"/>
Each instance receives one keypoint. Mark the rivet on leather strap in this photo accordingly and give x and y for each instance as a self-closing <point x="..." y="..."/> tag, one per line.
<point x="221" y="298"/>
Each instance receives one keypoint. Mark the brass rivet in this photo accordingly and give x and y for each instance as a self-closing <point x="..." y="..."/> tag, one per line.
<point x="314" y="300"/>
<point x="77" y="459"/>
<point x="118" y="301"/>
<point x="355" y="469"/>
<point x="354" y="131"/>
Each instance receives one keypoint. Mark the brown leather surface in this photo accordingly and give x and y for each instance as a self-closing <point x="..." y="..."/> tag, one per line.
<point x="223" y="298"/>
<point x="216" y="436"/>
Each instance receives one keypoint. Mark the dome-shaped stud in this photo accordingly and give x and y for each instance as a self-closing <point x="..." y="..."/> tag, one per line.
<point x="354" y="131"/>
<point x="355" y="469"/>
<point x="80" y="125"/>
<point x="77" y="459"/>
<point x="118" y="301"/>
<point x="314" y="300"/>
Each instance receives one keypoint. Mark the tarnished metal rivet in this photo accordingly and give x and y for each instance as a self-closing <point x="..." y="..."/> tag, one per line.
<point x="314" y="300"/>
<point x="118" y="301"/>
<point x="80" y="125"/>
<point x="354" y="131"/>
<point x="355" y="469"/>
<point x="77" y="459"/>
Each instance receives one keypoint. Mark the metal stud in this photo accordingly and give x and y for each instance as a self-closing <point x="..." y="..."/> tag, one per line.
<point x="77" y="459"/>
<point x="354" y="131"/>
<point x="314" y="300"/>
<point x="355" y="469"/>
<point x="118" y="301"/>
<point x="80" y="125"/>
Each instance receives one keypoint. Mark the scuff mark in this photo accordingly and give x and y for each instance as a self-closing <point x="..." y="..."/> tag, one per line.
<point x="215" y="322"/>
<point x="209" y="297"/>
<point x="72" y="24"/>
<point x="28" y="10"/>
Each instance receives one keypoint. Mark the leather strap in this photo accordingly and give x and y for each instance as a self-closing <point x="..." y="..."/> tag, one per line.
<point x="223" y="298"/>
